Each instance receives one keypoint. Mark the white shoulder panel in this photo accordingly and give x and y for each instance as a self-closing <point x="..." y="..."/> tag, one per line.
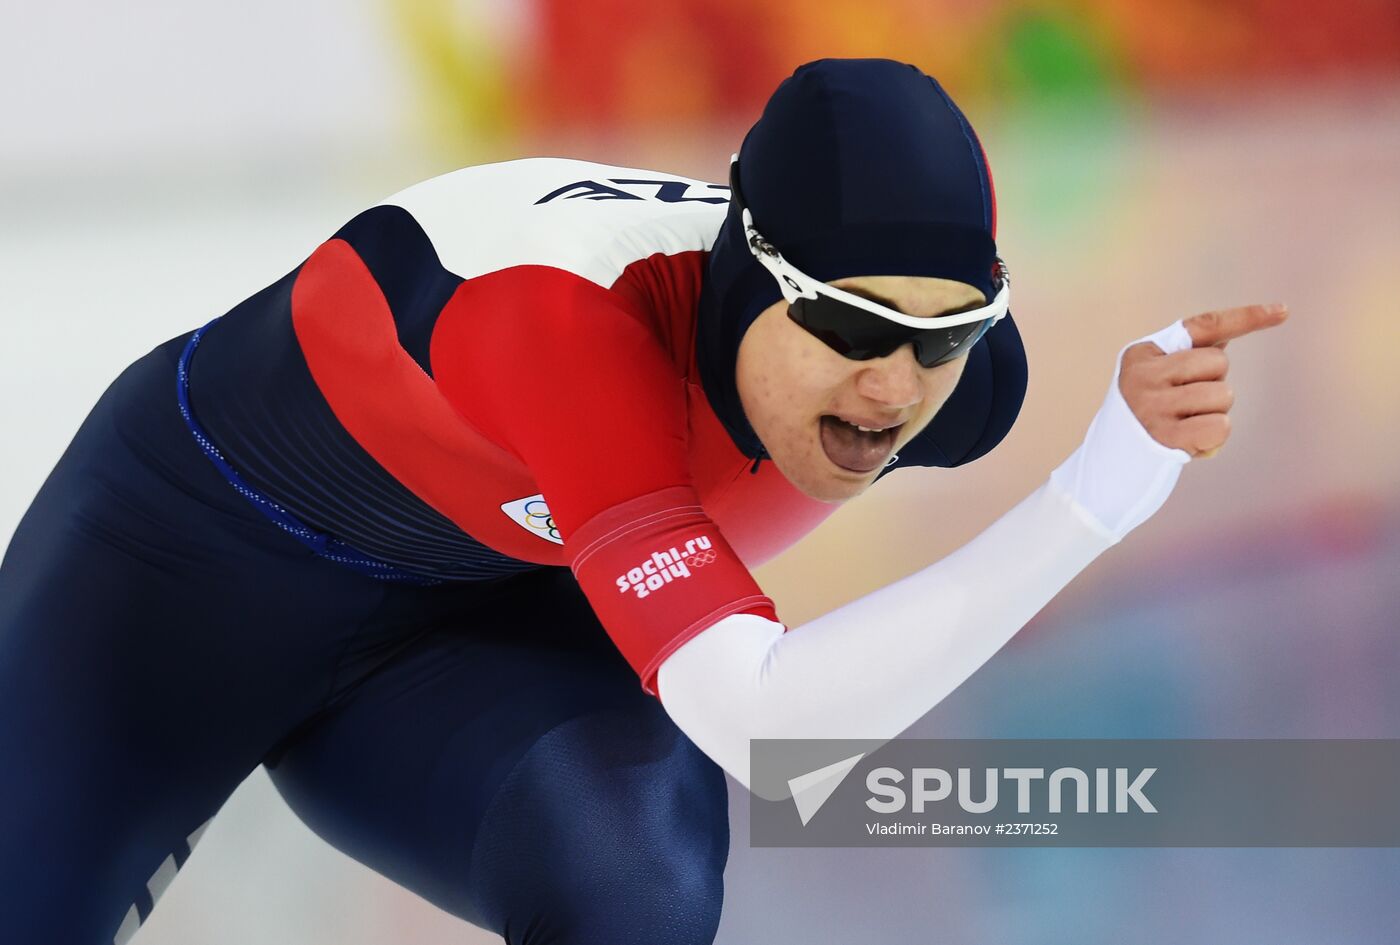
<point x="590" y="219"/>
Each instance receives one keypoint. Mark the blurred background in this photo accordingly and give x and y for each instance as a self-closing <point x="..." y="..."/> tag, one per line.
<point x="160" y="161"/>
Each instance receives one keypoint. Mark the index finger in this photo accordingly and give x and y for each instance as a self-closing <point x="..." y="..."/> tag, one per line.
<point x="1213" y="328"/>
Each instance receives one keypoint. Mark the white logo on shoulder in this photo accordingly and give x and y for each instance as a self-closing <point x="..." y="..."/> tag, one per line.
<point x="531" y="514"/>
<point x="663" y="567"/>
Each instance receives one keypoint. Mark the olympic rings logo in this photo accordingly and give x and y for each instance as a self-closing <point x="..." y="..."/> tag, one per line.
<point x="532" y="514"/>
<point x="700" y="559"/>
<point x="537" y="517"/>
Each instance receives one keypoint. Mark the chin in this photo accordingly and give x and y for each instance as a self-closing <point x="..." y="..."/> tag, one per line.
<point x="835" y="488"/>
<point x="817" y="477"/>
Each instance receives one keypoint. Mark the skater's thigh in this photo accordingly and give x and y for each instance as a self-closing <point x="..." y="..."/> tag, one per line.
<point x="510" y="762"/>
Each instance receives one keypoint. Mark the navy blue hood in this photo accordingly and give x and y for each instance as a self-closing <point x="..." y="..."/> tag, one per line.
<point x="864" y="167"/>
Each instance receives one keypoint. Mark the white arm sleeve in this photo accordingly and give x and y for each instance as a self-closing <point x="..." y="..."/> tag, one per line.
<point x="873" y="667"/>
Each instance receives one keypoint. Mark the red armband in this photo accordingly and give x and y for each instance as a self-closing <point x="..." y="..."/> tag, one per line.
<point x="657" y="572"/>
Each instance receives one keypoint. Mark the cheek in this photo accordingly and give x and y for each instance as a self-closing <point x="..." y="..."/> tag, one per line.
<point x="938" y="384"/>
<point x="944" y="378"/>
<point x="805" y="378"/>
<point x="786" y="376"/>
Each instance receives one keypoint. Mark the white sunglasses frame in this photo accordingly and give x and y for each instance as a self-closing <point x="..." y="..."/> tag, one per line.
<point x="796" y="284"/>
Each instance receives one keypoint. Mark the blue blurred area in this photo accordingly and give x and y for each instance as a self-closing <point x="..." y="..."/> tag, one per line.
<point x="1290" y="633"/>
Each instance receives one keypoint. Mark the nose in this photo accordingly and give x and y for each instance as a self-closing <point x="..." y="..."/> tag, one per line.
<point x="894" y="381"/>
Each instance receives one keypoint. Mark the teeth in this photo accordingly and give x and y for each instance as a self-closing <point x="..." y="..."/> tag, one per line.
<point x="865" y="429"/>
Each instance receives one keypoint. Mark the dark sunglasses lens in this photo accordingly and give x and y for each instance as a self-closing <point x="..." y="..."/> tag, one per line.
<point x="941" y="345"/>
<point x="861" y="335"/>
<point x="847" y="330"/>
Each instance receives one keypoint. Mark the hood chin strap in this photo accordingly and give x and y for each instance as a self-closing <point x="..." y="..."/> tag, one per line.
<point x="762" y="455"/>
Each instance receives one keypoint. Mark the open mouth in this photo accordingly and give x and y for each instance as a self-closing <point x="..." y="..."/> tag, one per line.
<point x="855" y="448"/>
